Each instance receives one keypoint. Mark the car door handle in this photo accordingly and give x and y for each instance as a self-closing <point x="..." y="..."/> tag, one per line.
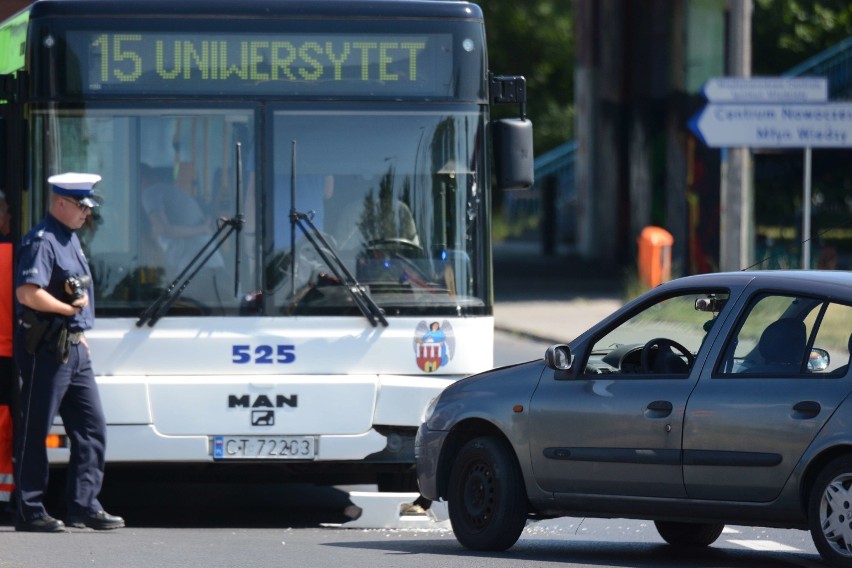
<point x="806" y="409"/>
<point x="658" y="409"/>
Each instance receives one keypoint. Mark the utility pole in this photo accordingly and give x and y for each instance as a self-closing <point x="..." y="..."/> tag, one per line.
<point x="736" y="232"/>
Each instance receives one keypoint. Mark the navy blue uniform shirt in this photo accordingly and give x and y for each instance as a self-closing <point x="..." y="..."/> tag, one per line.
<point x="50" y="254"/>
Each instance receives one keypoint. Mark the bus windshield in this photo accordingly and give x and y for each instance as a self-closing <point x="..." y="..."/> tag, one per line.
<point x="393" y="192"/>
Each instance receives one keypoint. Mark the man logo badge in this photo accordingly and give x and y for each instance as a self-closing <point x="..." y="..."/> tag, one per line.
<point x="263" y="418"/>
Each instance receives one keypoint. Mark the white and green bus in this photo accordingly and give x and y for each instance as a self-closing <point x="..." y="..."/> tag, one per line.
<point x="293" y="254"/>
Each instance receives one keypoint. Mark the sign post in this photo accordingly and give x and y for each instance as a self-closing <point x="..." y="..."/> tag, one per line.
<point x="806" y="211"/>
<point x="775" y="112"/>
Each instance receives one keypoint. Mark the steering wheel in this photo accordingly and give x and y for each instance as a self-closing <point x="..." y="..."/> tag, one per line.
<point x="394" y="242"/>
<point x="308" y="259"/>
<point x="660" y="343"/>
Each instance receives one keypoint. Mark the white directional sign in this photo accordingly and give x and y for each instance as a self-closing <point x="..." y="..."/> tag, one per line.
<point x="774" y="112"/>
<point x="766" y="90"/>
<point x="827" y="125"/>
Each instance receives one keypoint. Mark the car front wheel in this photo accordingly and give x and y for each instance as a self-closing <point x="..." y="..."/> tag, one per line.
<point x="830" y="512"/>
<point x="487" y="500"/>
<point x="689" y="534"/>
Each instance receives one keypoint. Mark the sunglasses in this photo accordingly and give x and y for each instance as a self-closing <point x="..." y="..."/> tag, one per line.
<point x="80" y="206"/>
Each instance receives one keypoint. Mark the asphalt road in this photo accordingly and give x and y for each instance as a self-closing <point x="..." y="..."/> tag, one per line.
<point x="566" y="542"/>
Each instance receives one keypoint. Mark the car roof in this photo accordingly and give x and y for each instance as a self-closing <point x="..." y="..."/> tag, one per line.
<point x="834" y="282"/>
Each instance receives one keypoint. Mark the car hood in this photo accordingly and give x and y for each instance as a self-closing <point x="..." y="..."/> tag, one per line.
<point x="528" y="372"/>
<point x="486" y="395"/>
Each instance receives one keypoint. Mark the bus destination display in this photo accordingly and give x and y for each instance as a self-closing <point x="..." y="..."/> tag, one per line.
<point x="279" y="64"/>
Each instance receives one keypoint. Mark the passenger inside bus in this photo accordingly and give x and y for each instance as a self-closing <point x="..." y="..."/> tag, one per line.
<point x="181" y="228"/>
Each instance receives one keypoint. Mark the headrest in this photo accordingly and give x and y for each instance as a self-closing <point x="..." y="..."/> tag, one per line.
<point x="783" y="341"/>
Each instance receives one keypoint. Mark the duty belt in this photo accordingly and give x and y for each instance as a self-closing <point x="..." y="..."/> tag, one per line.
<point x="75" y="337"/>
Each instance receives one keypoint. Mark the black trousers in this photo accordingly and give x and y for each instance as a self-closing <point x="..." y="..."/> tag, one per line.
<point x="8" y="381"/>
<point x="69" y="389"/>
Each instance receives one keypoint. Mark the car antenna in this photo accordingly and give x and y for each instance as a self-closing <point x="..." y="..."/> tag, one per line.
<point x="804" y="242"/>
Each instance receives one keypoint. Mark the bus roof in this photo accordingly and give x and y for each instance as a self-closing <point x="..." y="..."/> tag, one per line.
<point x="259" y="8"/>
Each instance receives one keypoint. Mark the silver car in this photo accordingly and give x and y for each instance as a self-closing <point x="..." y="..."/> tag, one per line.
<point x="712" y="399"/>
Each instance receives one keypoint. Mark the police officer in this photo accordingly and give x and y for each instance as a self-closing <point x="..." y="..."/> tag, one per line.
<point x="54" y="294"/>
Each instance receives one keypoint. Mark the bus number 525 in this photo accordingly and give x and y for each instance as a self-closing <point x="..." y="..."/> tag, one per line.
<point x="263" y="354"/>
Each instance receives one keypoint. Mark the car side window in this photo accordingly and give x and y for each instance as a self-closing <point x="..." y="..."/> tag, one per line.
<point x="662" y="338"/>
<point x="782" y="336"/>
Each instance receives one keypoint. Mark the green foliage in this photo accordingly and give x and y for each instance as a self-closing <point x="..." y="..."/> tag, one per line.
<point x="503" y="229"/>
<point x="536" y="39"/>
<point x="786" y="32"/>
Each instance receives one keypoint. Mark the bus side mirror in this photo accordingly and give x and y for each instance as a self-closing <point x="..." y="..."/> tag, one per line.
<point x="513" y="153"/>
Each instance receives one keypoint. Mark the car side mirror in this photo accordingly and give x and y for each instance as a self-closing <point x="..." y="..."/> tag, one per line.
<point x="818" y="360"/>
<point x="559" y="357"/>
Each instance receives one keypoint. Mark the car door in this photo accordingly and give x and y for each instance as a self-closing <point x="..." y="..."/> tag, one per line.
<point x="614" y="426"/>
<point x="751" y="418"/>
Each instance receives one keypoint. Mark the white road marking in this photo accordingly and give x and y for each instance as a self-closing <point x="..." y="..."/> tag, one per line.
<point x="764" y="545"/>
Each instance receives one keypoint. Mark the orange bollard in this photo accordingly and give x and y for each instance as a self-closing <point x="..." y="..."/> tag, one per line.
<point x="655" y="256"/>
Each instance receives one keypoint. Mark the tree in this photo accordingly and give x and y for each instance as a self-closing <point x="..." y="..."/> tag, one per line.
<point x="787" y="32"/>
<point x="536" y="39"/>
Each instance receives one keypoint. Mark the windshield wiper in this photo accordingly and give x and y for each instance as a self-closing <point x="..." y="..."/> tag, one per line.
<point x="331" y="258"/>
<point x="362" y="299"/>
<point x="226" y="226"/>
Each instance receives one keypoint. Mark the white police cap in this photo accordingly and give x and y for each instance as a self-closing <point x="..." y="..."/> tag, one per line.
<point x="77" y="186"/>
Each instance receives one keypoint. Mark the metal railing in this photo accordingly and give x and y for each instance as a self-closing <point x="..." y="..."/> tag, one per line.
<point x="835" y="63"/>
<point x="521" y="206"/>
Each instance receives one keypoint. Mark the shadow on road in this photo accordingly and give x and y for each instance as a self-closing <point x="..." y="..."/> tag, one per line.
<point x="571" y="551"/>
<point x="234" y="505"/>
<point x="166" y="503"/>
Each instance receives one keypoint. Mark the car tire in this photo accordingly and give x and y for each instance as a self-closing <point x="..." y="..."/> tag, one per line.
<point x="830" y="512"/>
<point x="487" y="502"/>
<point x="689" y="535"/>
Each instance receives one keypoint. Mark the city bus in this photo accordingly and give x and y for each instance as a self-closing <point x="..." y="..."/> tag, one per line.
<point x="292" y="255"/>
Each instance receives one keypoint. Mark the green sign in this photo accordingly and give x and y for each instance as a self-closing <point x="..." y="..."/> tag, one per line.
<point x="273" y="64"/>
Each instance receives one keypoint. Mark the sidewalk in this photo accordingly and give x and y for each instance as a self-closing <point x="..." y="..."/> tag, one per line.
<point x="551" y="299"/>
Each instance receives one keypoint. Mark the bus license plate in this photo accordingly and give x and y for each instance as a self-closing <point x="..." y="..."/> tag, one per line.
<point x="264" y="447"/>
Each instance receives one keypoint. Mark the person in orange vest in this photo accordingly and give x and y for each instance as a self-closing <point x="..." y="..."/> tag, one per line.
<point x="7" y="371"/>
